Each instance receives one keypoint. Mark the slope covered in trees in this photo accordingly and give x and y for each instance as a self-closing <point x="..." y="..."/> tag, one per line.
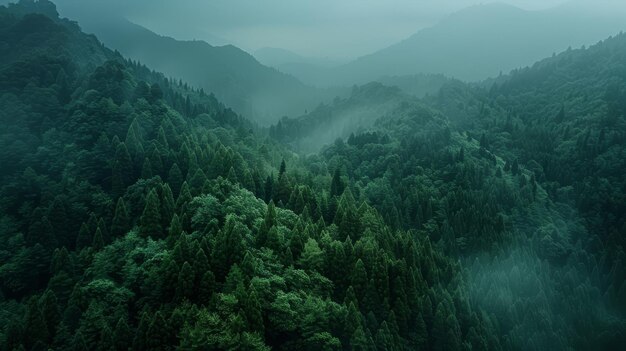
<point x="261" y="93"/>
<point x="523" y="181"/>
<point x="137" y="213"/>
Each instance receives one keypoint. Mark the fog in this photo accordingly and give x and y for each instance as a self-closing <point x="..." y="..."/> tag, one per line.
<point x="313" y="175"/>
<point x="322" y="28"/>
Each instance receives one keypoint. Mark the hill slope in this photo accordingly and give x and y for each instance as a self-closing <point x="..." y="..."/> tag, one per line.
<point x="547" y="144"/>
<point x="480" y="42"/>
<point x="261" y="93"/>
<point x="138" y="213"/>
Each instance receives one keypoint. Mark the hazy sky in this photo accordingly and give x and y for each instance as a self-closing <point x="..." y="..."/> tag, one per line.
<point x="333" y="28"/>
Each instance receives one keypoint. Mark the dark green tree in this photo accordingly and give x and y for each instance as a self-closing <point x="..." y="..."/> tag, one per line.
<point x="151" y="217"/>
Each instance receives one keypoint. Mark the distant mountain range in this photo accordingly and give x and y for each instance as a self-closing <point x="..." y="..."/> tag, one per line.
<point x="471" y="45"/>
<point x="259" y="92"/>
<point x="476" y="43"/>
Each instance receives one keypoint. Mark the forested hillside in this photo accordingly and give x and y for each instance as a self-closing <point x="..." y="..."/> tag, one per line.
<point x="523" y="181"/>
<point x="261" y="93"/>
<point x="144" y="214"/>
<point x="137" y="212"/>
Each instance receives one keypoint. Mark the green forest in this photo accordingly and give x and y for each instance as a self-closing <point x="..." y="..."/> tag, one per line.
<point x="138" y="212"/>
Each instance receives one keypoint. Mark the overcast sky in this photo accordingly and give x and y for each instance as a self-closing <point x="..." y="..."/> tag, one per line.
<point x="326" y="28"/>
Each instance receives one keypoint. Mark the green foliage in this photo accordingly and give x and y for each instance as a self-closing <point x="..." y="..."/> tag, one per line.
<point x="151" y="217"/>
<point x="134" y="212"/>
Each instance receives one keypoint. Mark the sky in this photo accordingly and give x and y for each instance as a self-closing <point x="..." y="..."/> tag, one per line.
<point x="338" y="29"/>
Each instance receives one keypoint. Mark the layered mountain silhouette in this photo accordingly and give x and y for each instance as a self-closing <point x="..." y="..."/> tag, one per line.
<point x="477" y="43"/>
<point x="235" y="77"/>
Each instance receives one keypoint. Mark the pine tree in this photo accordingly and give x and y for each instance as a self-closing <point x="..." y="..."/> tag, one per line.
<point x="232" y="176"/>
<point x="336" y="186"/>
<point x="445" y="330"/>
<point x="91" y="325"/>
<point x="169" y="280"/>
<point x="252" y="309"/>
<point x="359" y="279"/>
<point x="106" y="342"/>
<point x="229" y="248"/>
<point x="140" y="340"/>
<point x="134" y="142"/>
<point x="175" y="228"/>
<point x="98" y="241"/>
<point x="156" y="162"/>
<point x="200" y="265"/>
<point x="122" y="335"/>
<point x="206" y="288"/>
<point x="384" y="338"/>
<point x="50" y="311"/>
<point x="183" y="199"/>
<point x="158" y="334"/>
<point x="185" y="285"/>
<point x="106" y="236"/>
<point x="268" y="222"/>
<point x="168" y="205"/>
<point x="361" y="342"/>
<point x="151" y="217"/>
<point x="162" y="139"/>
<point x="274" y="240"/>
<point x="269" y="188"/>
<point x="175" y="179"/>
<point x="84" y="238"/>
<point x="120" y="223"/>
<point x="124" y="165"/>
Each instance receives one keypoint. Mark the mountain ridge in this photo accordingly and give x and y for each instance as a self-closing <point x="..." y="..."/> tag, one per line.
<point x="261" y="93"/>
<point x="476" y="43"/>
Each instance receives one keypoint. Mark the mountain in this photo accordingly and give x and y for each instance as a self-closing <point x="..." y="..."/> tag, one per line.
<point x="307" y="69"/>
<point x="546" y="144"/>
<point x="234" y="76"/>
<point x="138" y="213"/>
<point x="354" y="114"/>
<point x="480" y="42"/>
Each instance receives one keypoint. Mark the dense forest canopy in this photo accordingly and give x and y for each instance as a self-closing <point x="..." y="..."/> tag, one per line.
<point x="140" y="212"/>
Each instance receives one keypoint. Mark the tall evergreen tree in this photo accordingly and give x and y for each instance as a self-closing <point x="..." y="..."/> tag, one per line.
<point x="121" y="221"/>
<point x="336" y="185"/>
<point x="151" y="217"/>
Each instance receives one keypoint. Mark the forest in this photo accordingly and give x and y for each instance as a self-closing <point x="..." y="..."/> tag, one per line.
<point x="139" y="212"/>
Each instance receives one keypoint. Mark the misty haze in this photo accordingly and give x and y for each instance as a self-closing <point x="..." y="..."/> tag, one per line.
<point x="312" y="175"/>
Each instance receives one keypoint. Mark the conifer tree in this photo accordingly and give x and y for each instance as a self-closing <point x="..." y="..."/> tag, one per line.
<point x="336" y="186"/>
<point x="122" y="335"/>
<point x="206" y="288"/>
<point x="151" y="217"/>
<point x="140" y="340"/>
<point x="168" y="205"/>
<point x="121" y="222"/>
<point x="175" y="179"/>
<point x="84" y="238"/>
<point x="185" y="285"/>
<point x="158" y="334"/>
<point x="98" y="241"/>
